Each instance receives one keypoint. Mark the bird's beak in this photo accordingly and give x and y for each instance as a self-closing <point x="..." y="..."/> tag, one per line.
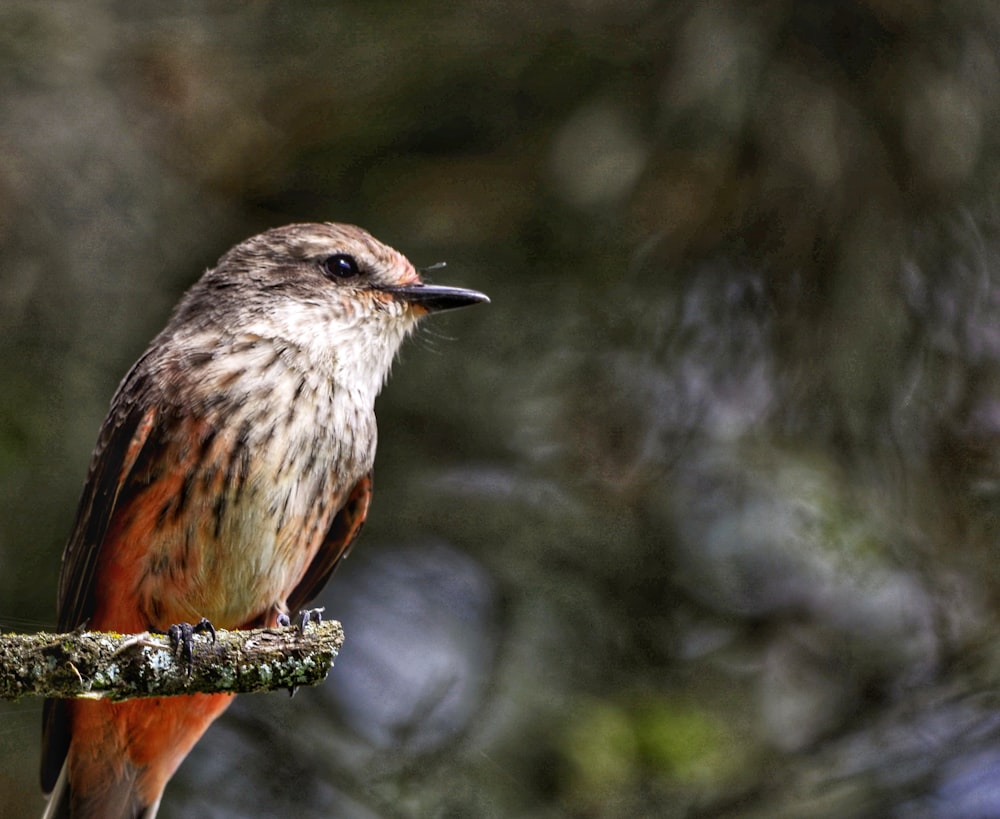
<point x="433" y="297"/>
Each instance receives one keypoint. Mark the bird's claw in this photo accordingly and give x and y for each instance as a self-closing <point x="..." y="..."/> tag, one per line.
<point x="304" y="617"/>
<point x="182" y="639"/>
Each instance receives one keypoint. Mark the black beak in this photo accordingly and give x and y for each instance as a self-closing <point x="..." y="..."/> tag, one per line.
<point x="435" y="297"/>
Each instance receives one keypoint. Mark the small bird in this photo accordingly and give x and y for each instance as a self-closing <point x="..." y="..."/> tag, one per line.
<point x="231" y="475"/>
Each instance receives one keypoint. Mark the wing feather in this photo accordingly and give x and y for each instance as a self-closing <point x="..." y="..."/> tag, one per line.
<point x="342" y="533"/>
<point x="122" y="438"/>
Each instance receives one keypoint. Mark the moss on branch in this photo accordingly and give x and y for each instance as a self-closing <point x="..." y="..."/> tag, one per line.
<point x="123" y="666"/>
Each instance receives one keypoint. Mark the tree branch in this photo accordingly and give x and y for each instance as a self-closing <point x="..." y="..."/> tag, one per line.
<point x="122" y="666"/>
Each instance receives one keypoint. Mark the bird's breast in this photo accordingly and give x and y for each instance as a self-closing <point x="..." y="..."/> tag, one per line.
<point x="264" y="483"/>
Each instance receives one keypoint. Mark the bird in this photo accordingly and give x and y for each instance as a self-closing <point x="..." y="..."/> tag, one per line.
<point x="231" y="475"/>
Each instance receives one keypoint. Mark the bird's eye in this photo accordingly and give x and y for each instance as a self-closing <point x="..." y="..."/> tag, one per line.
<point x="341" y="266"/>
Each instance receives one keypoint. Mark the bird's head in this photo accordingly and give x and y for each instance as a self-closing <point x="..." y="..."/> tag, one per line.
<point x="332" y="291"/>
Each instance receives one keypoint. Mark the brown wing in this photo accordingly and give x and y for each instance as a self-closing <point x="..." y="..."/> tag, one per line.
<point x="123" y="437"/>
<point x="118" y="448"/>
<point x="343" y="531"/>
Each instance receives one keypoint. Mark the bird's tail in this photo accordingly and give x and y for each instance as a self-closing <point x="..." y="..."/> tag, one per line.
<point x="58" y="804"/>
<point x="119" y="801"/>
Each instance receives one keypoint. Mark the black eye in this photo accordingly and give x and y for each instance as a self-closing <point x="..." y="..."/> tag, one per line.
<point x="340" y="266"/>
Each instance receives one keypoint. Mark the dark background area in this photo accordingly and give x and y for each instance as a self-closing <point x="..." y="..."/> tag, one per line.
<point x="698" y="518"/>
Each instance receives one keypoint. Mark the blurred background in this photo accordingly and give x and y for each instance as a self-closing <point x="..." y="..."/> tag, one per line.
<point x="698" y="518"/>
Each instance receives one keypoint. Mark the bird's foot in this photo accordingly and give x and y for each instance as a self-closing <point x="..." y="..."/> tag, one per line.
<point x="304" y="618"/>
<point x="182" y="639"/>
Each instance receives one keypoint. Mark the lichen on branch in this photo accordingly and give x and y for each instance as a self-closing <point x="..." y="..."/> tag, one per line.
<point x="123" y="666"/>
